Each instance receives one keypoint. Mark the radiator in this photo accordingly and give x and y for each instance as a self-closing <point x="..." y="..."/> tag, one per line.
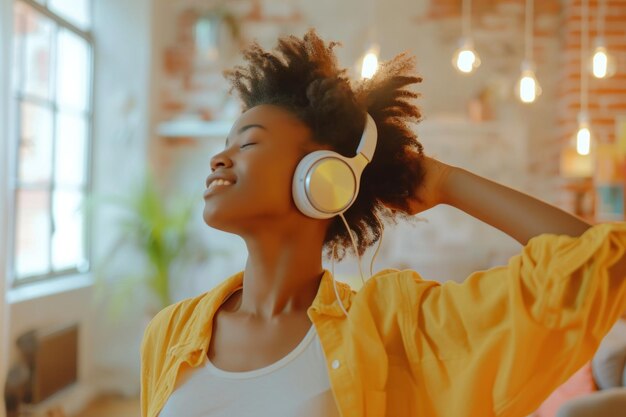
<point x="52" y="358"/>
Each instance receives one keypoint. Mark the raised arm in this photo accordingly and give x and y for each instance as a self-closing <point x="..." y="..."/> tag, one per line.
<point x="517" y="214"/>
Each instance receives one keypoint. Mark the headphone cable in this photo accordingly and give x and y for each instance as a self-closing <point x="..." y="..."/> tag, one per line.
<point x="358" y="256"/>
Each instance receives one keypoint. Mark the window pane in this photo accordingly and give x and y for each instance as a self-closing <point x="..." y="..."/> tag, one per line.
<point x="67" y="238"/>
<point x="19" y="24"/>
<point x="75" y="11"/>
<point x="33" y="233"/>
<point x="35" y="150"/>
<point x="34" y="32"/>
<point x="70" y="152"/>
<point x="73" y="71"/>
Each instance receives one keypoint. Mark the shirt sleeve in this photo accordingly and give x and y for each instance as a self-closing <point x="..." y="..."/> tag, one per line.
<point x="153" y="348"/>
<point x="500" y="342"/>
<point x="147" y="369"/>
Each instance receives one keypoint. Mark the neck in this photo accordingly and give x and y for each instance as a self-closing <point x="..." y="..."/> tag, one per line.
<point x="282" y="275"/>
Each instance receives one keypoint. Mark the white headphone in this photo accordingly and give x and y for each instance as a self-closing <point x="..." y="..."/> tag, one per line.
<point x="326" y="184"/>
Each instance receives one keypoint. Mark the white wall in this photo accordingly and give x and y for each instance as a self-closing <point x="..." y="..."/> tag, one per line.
<point x="122" y="108"/>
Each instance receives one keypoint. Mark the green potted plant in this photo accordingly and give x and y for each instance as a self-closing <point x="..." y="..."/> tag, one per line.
<point x="156" y="228"/>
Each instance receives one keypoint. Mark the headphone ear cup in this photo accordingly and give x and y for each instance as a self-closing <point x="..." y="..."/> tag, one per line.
<point x="324" y="184"/>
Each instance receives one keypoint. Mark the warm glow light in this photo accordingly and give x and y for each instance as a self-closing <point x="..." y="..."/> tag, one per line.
<point x="600" y="63"/>
<point x="528" y="86"/>
<point x="466" y="59"/>
<point x="583" y="140"/>
<point x="370" y="65"/>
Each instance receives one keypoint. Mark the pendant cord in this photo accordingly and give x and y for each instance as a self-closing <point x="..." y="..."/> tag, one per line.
<point x="600" y="20"/>
<point x="466" y="17"/>
<point x="529" y="31"/>
<point x="584" y="48"/>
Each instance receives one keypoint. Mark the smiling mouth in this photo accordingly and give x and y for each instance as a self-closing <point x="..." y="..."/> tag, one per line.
<point x="217" y="185"/>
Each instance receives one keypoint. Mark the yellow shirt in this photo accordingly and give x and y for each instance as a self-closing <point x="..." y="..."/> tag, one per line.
<point x="495" y="345"/>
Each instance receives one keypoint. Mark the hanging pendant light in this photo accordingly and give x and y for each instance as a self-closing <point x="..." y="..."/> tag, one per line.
<point x="370" y="61"/>
<point x="465" y="59"/>
<point x="577" y="159"/>
<point x="369" y="64"/>
<point x="528" y="87"/>
<point x="584" y="138"/>
<point x="602" y="62"/>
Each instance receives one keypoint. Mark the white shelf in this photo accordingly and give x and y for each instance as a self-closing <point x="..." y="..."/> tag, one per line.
<point x="194" y="128"/>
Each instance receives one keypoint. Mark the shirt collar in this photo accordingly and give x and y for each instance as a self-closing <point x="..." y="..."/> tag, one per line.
<point x="195" y="335"/>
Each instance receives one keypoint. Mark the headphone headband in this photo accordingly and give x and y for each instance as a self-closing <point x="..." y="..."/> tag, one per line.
<point x="367" y="146"/>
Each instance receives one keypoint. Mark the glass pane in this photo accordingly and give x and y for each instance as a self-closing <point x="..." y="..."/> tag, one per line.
<point x="73" y="71"/>
<point x="32" y="237"/>
<point x="67" y="237"/>
<point x="75" y="11"/>
<point x="35" y="150"/>
<point x="70" y="152"/>
<point x="34" y="32"/>
<point x="19" y="24"/>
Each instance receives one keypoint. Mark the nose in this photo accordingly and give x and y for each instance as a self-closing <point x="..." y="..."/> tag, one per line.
<point x="220" y="160"/>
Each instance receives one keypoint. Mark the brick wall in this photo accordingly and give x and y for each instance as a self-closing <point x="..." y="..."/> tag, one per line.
<point x="446" y="8"/>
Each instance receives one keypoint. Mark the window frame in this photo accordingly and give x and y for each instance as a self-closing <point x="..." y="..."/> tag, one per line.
<point x="17" y="97"/>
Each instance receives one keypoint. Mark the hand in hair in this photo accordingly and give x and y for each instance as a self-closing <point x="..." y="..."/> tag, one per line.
<point x="429" y="192"/>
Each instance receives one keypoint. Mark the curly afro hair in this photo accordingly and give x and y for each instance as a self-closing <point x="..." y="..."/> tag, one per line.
<point x="302" y="76"/>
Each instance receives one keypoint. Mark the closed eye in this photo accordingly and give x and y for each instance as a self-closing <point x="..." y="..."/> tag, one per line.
<point x="247" y="144"/>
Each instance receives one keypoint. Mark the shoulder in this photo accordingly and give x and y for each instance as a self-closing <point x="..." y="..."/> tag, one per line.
<point x="167" y="326"/>
<point x="396" y="280"/>
<point x="395" y="287"/>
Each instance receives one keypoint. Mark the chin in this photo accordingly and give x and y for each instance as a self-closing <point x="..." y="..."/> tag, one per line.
<point x="224" y="220"/>
<point x="243" y="215"/>
<point x="215" y="219"/>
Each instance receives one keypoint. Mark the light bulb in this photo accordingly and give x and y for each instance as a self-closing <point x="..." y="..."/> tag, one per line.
<point x="466" y="59"/>
<point x="602" y="63"/>
<point x="528" y="87"/>
<point x="370" y="62"/>
<point x="583" y="140"/>
<point x="583" y="136"/>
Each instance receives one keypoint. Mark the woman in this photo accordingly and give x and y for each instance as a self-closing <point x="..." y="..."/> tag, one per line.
<point x="282" y="338"/>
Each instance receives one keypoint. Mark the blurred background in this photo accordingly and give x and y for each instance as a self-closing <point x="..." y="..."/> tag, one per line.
<point x="111" y="110"/>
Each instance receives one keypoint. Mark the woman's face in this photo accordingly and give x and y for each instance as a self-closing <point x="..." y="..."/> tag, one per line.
<point x="262" y="151"/>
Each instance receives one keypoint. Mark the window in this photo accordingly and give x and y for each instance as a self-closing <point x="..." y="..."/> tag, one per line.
<point x="51" y="84"/>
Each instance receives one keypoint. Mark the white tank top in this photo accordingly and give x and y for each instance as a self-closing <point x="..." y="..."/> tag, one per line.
<point x="295" y="386"/>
